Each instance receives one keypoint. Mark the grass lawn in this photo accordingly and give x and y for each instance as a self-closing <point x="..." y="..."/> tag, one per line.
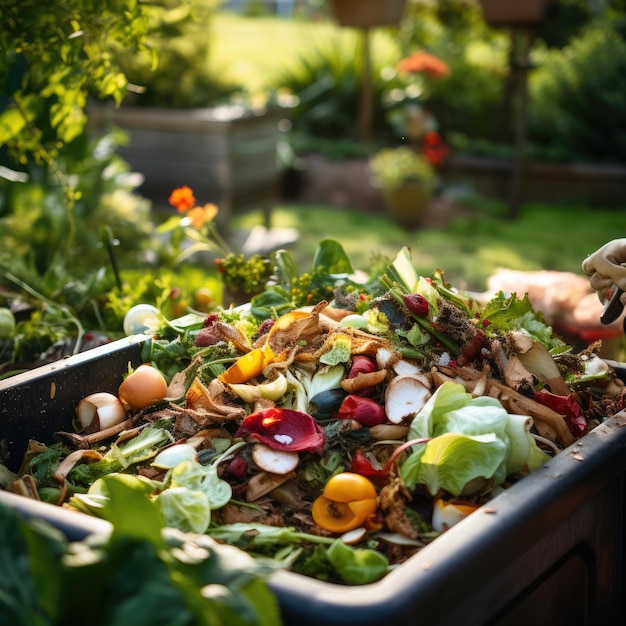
<point x="255" y="51"/>
<point x="468" y="249"/>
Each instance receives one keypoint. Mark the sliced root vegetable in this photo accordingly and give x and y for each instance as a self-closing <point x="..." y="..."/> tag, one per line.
<point x="211" y="400"/>
<point x="405" y="396"/>
<point x="173" y="455"/>
<point x="516" y="375"/>
<point x="399" y="539"/>
<point x="274" y="461"/>
<point x="99" y="411"/>
<point x="264" y="482"/>
<point x="538" y="361"/>
<point x="66" y="466"/>
<point x="447" y="514"/>
<point x="406" y="368"/>
<point x="352" y="537"/>
<point x="387" y="358"/>
<point x="26" y="486"/>
<point x="363" y="381"/>
<point x="389" y="432"/>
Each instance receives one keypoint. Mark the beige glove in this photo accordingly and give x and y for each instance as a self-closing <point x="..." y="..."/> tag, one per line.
<point x="607" y="266"/>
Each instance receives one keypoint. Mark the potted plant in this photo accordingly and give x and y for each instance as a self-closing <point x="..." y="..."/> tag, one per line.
<point x="367" y="13"/>
<point x="513" y="12"/>
<point x="407" y="179"/>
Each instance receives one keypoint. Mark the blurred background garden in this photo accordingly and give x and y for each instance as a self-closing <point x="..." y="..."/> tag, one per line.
<point x="297" y="122"/>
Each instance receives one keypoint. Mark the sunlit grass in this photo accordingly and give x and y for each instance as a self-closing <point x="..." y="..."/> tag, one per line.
<point x="468" y="249"/>
<point x="255" y="51"/>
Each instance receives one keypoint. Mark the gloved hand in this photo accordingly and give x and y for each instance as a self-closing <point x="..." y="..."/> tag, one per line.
<point x="606" y="267"/>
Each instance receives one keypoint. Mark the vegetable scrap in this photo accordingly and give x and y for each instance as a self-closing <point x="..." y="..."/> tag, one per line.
<point x="356" y="429"/>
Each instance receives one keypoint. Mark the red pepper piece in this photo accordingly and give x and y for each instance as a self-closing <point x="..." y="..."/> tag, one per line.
<point x="363" y="410"/>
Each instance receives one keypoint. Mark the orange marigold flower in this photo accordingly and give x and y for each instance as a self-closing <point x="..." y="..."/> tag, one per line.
<point x="200" y="215"/>
<point x="421" y="61"/>
<point x="182" y="198"/>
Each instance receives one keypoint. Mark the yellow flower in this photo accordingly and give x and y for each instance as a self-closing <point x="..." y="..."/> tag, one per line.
<point x="198" y="216"/>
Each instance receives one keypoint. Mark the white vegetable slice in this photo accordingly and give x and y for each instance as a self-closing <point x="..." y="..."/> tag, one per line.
<point x="100" y="410"/>
<point x="172" y="456"/>
<point x="447" y="514"/>
<point x="264" y="482"/>
<point x="405" y="397"/>
<point x="352" y="537"/>
<point x="274" y="461"/>
<point x="386" y="358"/>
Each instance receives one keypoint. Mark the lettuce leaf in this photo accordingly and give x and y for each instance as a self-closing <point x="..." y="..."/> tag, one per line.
<point x="487" y="441"/>
<point x="455" y="462"/>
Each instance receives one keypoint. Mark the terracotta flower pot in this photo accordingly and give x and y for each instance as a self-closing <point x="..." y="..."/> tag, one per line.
<point x="514" y="12"/>
<point x="367" y="13"/>
<point x="408" y="204"/>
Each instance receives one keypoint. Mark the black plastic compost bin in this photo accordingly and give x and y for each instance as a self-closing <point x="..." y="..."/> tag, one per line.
<point x="547" y="551"/>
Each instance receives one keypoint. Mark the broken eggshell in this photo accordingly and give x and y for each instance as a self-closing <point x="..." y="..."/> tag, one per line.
<point x="100" y="410"/>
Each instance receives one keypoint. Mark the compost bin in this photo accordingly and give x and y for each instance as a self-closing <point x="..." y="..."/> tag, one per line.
<point x="548" y="550"/>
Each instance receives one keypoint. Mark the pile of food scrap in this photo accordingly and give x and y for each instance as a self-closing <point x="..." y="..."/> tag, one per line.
<point x="355" y="429"/>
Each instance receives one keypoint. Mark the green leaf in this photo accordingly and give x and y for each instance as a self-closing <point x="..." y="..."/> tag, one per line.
<point x="447" y="397"/>
<point x="31" y="571"/>
<point x="331" y="258"/>
<point x="357" y="566"/>
<point x="459" y="464"/>
<point x="130" y="511"/>
<point x="402" y="272"/>
<point x="12" y="123"/>
<point x="502" y="310"/>
<point x="286" y="268"/>
<point x="185" y="509"/>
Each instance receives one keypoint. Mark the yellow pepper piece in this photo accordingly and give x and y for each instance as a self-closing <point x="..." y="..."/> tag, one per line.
<point x="248" y="366"/>
<point x="348" y="502"/>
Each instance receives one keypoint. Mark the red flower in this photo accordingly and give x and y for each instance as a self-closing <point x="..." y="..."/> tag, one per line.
<point x="420" y="62"/>
<point x="182" y="198"/>
<point x="284" y="429"/>
<point x="434" y="149"/>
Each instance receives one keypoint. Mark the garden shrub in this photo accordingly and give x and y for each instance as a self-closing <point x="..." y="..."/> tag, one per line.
<point x="469" y="99"/>
<point x="184" y="75"/>
<point x="327" y="82"/>
<point x="44" y="229"/>
<point x="579" y="98"/>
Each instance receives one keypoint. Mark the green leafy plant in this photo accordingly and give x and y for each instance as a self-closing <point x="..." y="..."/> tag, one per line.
<point x="140" y="574"/>
<point x="327" y="83"/>
<point x="577" y="99"/>
<point x="248" y="274"/>
<point x="185" y="75"/>
<point x="395" y="167"/>
<point x="54" y="55"/>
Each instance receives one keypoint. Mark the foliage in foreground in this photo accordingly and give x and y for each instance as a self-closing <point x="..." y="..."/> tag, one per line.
<point x="142" y="574"/>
